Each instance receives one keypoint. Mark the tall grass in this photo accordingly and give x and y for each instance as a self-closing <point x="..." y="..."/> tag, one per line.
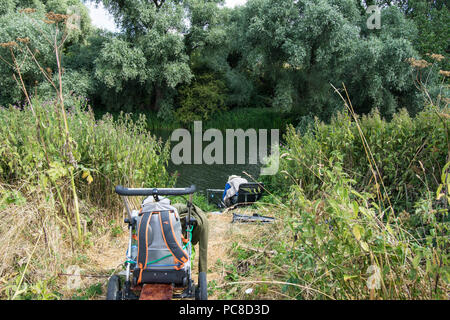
<point x="336" y="245"/>
<point x="409" y="153"/>
<point x="106" y="152"/>
<point x="38" y="188"/>
<point x="336" y="236"/>
<point x="238" y="118"/>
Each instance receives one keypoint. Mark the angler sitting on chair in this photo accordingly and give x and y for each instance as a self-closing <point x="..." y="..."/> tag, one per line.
<point x="230" y="194"/>
<point x="239" y="191"/>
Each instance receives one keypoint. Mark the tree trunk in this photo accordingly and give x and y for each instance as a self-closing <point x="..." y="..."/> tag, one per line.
<point x="156" y="98"/>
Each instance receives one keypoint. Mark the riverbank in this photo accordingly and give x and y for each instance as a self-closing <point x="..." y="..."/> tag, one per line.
<point x="343" y="229"/>
<point x="215" y="176"/>
<point x="238" y="118"/>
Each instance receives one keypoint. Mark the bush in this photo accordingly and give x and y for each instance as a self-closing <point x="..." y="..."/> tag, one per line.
<point x="105" y="152"/>
<point x="409" y="153"/>
<point x="336" y="236"/>
<point x="336" y="245"/>
<point x="201" y="100"/>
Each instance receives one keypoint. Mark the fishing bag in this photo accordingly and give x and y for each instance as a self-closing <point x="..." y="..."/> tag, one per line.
<point x="161" y="255"/>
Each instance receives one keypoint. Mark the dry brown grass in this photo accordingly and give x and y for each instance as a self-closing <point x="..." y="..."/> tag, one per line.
<point x="29" y="233"/>
<point x="32" y="232"/>
<point x="36" y="248"/>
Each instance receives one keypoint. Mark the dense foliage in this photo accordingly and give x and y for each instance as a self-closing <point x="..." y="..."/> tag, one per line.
<point x="338" y="244"/>
<point x="337" y="235"/>
<point x="409" y="153"/>
<point x="20" y="24"/>
<point x="282" y="55"/>
<point x="109" y="152"/>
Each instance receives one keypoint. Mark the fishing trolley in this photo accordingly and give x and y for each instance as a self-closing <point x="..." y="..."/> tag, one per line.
<point x="158" y="259"/>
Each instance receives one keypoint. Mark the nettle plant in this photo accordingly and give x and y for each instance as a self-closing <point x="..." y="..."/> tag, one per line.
<point x="21" y="51"/>
<point x="65" y="150"/>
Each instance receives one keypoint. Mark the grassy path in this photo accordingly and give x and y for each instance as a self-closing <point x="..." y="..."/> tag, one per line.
<point x="224" y="238"/>
<point x="107" y="255"/>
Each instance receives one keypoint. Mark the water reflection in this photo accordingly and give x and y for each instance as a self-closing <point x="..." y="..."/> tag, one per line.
<point x="212" y="176"/>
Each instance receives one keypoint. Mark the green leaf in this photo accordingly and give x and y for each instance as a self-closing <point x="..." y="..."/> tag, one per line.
<point x="428" y="266"/>
<point x="355" y="209"/>
<point x="357" y="194"/>
<point x="364" y="246"/>
<point x="347" y="277"/>
<point x="444" y="171"/>
<point x="357" y="232"/>
<point x="416" y="261"/>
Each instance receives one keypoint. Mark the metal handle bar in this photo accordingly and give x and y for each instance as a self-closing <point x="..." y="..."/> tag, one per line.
<point x="122" y="191"/>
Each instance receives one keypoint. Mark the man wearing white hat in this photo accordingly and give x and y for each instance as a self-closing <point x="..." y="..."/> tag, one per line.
<point x="230" y="193"/>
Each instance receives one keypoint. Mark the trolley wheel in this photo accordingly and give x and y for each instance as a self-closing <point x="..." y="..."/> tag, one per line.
<point x="114" y="289"/>
<point x="201" y="291"/>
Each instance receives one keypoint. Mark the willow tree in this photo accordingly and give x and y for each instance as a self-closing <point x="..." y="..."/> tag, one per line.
<point x="25" y="21"/>
<point x="295" y="49"/>
<point x="142" y="65"/>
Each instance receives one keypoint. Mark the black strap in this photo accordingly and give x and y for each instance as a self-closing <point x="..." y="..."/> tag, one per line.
<point x="143" y="230"/>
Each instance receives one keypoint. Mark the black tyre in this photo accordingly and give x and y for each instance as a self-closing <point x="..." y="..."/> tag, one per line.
<point x="113" y="290"/>
<point x="201" y="292"/>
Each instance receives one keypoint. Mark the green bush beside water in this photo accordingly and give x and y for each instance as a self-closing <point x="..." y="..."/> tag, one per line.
<point x="409" y="153"/>
<point x="336" y="235"/>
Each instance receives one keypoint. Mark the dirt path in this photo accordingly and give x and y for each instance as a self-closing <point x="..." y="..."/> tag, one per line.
<point x="222" y="235"/>
<point x="218" y="246"/>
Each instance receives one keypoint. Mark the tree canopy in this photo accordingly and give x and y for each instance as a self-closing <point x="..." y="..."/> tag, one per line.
<point x="187" y="59"/>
